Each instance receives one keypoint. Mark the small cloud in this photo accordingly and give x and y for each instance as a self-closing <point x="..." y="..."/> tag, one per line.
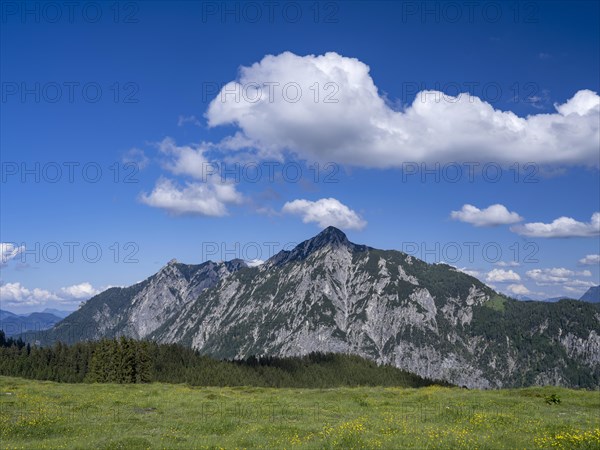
<point x="188" y="119"/>
<point x="544" y="55"/>
<point x="80" y="291"/>
<point x="555" y="275"/>
<point x="491" y="216"/>
<point x="186" y="160"/>
<point x="472" y="272"/>
<point x="195" y="198"/>
<point x="518" y="289"/>
<point x="539" y="100"/>
<point x="136" y="156"/>
<point x="9" y="251"/>
<point x="501" y="276"/>
<point x="208" y="195"/>
<point x="508" y="264"/>
<point x="254" y="262"/>
<point x="563" y="227"/>
<point x="559" y="276"/>
<point x="325" y="212"/>
<point x="590" y="260"/>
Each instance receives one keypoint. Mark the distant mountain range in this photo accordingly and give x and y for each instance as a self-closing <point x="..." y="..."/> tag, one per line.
<point x="331" y="295"/>
<point x="592" y="296"/>
<point x="57" y="312"/>
<point x="14" y="324"/>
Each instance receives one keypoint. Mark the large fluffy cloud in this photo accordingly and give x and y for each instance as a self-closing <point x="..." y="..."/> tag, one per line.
<point x="325" y="212"/>
<point x="560" y="228"/>
<point x="491" y="216"/>
<point x="350" y="122"/>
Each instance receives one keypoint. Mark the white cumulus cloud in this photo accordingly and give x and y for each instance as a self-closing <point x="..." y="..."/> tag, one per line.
<point x="325" y="212"/>
<point x="207" y="195"/>
<point x="563" y="227"/>
<point x="80" y="291"/>
<point x="195" y="198"/>
<point x="590" y="260"/>
<point x="518" y="289"/>
<point x="491" y="216"/>
<point x="501" y="275"/>
<point x="558" y="275"/>
<point x="186" y="159"/>
<point x="327" y="107"/>
<point x="15" y="294"/>
<point x="472" y="272"/>
<point x="561" y="277"/>
<point x="508" y="264"/>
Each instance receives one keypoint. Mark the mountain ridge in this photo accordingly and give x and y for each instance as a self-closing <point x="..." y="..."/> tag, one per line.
<point x="331" y="295"/>
<point x="591" y="295"/>
<point x="13" y="324"/>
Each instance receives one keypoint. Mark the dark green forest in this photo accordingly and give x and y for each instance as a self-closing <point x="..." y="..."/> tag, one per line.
<point x="127" y="360"/>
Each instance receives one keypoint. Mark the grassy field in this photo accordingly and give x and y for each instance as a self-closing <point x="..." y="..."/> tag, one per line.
<point x="39" y="414"/>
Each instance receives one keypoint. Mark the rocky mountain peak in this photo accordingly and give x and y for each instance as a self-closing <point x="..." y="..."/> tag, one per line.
<point x="235" y="264"/>
<point x="330" y="236"/>
<point x="330" y="295"/>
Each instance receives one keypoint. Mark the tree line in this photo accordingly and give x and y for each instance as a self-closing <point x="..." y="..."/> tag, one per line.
<point x="126" y="360"/>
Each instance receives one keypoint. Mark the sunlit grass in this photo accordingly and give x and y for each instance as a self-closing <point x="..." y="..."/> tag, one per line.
<point x="36" y="414"/>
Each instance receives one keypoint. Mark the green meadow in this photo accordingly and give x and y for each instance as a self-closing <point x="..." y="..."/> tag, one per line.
<point x="43" y="414"/>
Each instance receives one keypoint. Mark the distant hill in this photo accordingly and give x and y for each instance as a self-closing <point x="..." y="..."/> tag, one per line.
<point x="557" y="299"/>
<point x="4" y="314"/>
<point x="523" y="298"/>
<point x="592" y="295"/>
<point x="57" y="312"/>
<point x="13" y="324"/>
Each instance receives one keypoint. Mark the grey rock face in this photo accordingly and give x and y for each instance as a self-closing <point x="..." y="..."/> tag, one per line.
<point x="331" y="295"/>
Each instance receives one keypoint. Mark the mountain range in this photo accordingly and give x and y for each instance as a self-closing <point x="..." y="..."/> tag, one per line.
<point x="14" y="324"/>
<point x="592" y="295"/>
<point x="331" y="295"/>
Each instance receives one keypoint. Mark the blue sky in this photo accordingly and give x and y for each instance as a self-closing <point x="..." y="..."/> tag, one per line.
<point x="134" y="90"/>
